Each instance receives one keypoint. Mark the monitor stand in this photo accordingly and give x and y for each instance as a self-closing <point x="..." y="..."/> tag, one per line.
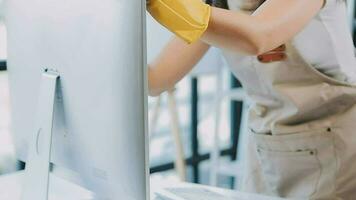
<point x="36" y="180"/>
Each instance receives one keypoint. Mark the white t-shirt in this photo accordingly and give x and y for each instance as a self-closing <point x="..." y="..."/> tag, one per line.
<point x="326" y="42"/>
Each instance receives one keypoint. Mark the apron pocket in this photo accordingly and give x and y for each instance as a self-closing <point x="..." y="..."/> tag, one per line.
<point x="302" y="165"/>
<point x="291" y="174"/>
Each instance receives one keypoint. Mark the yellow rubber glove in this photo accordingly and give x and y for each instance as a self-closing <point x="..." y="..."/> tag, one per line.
<point x="188" y="19"/>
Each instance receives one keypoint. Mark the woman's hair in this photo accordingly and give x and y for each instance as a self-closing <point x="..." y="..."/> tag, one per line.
<point x="247" y="5"/>
<point x="218" y="3"/>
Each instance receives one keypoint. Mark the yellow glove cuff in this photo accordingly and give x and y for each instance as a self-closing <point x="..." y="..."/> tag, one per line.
<point x="188" y="19"/>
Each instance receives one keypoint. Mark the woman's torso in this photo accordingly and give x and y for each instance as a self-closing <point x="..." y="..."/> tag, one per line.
<point x="325" y="44"/>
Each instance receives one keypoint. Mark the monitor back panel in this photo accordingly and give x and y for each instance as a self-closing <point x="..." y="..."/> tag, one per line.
<point x="97" y="46"/>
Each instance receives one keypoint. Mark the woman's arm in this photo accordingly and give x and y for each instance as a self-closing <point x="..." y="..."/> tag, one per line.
<point x="173" y="63"/>
<point x="271" y="25"/>
<point x="274" y="23"/>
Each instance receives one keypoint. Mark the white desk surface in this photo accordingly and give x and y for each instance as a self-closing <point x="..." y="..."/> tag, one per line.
<point x="10" y="189"/>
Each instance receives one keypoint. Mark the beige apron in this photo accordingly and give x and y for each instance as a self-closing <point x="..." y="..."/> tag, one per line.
<point x="302" y="140"/>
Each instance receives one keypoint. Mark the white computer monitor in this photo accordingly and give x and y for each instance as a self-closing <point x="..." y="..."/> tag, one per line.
<point x="98" y="49"/>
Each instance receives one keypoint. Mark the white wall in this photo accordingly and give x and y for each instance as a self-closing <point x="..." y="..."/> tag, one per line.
<point x="157" y="37"/>
<point x="2" y="41"/>
<point x="351" y="12"/>
<point x="1" y="8"/>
